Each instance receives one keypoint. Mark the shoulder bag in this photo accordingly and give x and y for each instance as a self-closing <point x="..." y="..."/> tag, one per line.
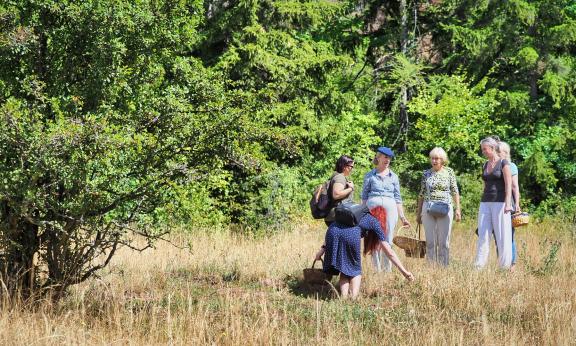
<point x="437" y="208"/>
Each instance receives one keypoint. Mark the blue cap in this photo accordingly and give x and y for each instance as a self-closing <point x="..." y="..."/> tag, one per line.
<point x="386" y="151"/>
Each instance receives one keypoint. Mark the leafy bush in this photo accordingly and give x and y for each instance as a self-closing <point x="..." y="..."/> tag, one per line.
<point x="547" y="264"/>
<point x="471" y="188"/>
<point x="94" y="138"/>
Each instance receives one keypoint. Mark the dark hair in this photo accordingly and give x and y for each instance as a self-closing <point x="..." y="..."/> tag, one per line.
<point x="371" y="241"/>
<point x="342" y="162"/>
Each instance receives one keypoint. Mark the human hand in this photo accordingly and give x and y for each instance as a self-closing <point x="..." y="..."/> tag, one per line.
<point x="507" y="209"/>
<point x="409" y="276"/>
<point x="350" y="184"/>
<point x="405" y="223"/>
<point x="319" y="254"/>
<point x="458" y="215"/>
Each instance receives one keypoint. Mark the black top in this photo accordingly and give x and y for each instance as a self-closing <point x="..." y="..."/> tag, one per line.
<point x="494" y="186"/>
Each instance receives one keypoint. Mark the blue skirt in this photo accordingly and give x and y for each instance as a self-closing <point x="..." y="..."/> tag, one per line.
<point x="342" y="253"/>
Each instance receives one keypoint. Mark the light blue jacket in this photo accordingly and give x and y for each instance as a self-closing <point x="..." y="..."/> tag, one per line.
<point x="377" y="186"/>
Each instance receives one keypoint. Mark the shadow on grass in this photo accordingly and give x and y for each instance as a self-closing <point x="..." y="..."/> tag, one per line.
<point x="301" y="288"/>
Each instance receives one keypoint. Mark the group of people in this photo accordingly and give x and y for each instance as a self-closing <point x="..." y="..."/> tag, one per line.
<point x="438" y="207"/>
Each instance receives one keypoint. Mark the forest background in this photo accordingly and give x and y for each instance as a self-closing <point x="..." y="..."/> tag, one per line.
<point x="132" y="117"/>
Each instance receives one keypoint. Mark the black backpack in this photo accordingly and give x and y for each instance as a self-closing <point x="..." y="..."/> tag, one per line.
<point x="349" y="214"/>
<point x="321" y="201"/>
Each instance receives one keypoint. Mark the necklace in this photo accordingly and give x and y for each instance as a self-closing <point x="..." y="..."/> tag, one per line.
<point x="492" y="165"/>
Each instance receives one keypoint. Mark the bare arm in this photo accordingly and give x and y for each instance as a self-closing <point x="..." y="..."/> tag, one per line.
<point x="398" y="200"/>
<point x="508" y="188"/>
<point x="403" y="218"/>
<point x="458" y="211"/>
<point x="419" y="210"/>
<point x="339" y="191"/>
<point x="320" y="253"/>
<point x="395" y="260"/>
<point x="455" y="196"/>
<point x="516" y="192"/>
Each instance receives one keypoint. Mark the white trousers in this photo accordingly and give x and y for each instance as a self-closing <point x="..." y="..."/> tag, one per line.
<point x="491" y="216"/>
<point x="379" y="259"/>
<point x="438" y="231"/>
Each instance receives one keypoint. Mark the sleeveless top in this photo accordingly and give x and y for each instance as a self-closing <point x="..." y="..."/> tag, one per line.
<point x="494" y="186"/>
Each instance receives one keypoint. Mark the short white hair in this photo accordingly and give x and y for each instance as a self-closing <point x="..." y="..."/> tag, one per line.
<point x="504" y="150"/>
<point x="440" y="153"/>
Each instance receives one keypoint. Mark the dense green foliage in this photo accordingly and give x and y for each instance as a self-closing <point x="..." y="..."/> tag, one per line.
<point x="104" y="122"/>
<point x="331" y="77"/>
<point x="209" y="112"/>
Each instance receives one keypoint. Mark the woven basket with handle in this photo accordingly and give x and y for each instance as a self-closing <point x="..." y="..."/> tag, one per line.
<point x="316" y="276"/>
<point x="413" y="247"/>
<point x="520" y="219"/>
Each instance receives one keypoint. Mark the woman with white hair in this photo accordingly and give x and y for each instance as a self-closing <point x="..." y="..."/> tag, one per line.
<point x="495" y="207"/>
<point x="435" y="211"/>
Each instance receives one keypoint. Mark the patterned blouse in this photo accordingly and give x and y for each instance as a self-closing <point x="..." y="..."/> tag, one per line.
<point x="438" y="186"/>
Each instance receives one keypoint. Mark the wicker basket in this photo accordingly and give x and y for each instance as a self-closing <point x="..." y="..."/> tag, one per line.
<point x="520" y="219"/>
<point x="316" y="276"/>
<point x="413" y="247"/>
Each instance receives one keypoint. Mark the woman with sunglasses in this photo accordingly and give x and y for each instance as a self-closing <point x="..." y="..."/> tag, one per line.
<point x="341" y="187"/>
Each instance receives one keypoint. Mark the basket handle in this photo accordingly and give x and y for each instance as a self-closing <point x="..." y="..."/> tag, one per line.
<point x="314" y="263"/>
<point x="416" y="231"/>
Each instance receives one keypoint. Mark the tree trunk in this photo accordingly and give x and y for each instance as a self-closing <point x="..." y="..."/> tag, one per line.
<point x="403" y="114"/>
<point x="403" y="27"/>
<point x="18" y="265"/>
<point x="534" y="86"/>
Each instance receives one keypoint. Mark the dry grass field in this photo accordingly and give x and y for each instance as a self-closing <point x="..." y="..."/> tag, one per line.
<point x="229" y="290"/>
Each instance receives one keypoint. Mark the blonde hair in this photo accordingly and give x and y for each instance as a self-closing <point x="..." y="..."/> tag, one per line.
<point x="440" y="153"/>
<point x="504" y="150"/>
<point x="491" y="142"/>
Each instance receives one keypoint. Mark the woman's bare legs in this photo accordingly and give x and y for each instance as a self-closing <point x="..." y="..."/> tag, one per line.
<point x="349" y="287"/>
<point x="355" y="286"/>
<point x="395" y="260"/>
<point x="344" y="284"/>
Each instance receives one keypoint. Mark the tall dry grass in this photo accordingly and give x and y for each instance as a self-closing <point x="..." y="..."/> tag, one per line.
<point x="225" y="289"/>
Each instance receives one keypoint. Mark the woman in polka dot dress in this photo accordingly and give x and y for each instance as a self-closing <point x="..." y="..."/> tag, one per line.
<point x="341" y="250"/>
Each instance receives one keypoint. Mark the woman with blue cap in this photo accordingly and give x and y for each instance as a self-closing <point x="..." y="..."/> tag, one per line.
<point x="382" y="188"/>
